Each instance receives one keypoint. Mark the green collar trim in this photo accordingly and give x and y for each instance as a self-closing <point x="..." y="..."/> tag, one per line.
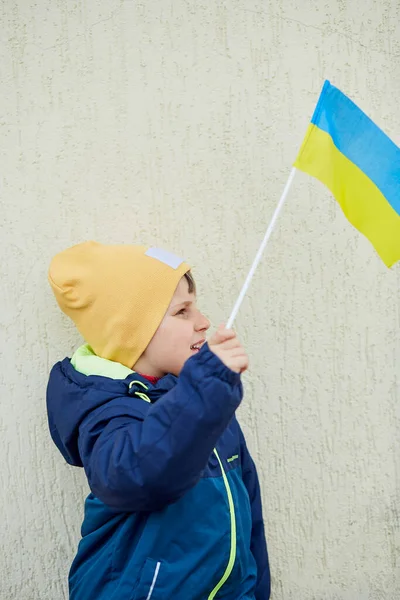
<point x="85" y="361"/>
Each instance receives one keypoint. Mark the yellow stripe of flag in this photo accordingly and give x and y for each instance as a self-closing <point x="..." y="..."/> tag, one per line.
<point x="361" y="201"/>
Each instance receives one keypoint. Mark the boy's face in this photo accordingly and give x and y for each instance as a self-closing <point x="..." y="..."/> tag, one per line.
<point x="180" y="335"/>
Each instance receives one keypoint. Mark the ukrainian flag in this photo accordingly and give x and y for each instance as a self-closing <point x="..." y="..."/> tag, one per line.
<point x="348" y="153"/>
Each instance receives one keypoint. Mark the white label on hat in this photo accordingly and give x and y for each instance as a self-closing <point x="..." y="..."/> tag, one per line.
<point x="165" y="257"/>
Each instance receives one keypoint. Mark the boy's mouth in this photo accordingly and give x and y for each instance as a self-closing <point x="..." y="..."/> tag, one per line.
<point x="196" y="347"/>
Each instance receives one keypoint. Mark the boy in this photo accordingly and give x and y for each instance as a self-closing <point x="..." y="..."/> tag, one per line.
<point x="147" y="407"/>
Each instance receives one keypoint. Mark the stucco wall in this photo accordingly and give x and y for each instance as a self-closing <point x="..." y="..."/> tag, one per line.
<point x="175" y="123"/>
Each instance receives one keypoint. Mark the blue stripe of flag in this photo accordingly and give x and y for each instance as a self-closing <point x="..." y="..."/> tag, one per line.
<point x="360" y="140"/>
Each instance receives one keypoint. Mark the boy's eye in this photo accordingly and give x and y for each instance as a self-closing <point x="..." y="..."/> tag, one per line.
<point x="182" y="311"/>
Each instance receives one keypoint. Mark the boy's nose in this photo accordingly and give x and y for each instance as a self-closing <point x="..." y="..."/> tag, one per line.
<point x="202" y="323"/>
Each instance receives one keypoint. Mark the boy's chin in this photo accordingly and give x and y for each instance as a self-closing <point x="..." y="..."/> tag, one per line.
<point x="176" y="370"/>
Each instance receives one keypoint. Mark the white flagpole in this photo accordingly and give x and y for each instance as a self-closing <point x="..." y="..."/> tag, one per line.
<point x="261" y="249"/>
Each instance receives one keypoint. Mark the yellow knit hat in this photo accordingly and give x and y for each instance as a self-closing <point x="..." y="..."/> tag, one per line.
<point x="117" y="296"/>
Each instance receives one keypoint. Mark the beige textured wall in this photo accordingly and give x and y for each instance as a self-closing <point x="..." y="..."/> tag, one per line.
<point x="175" y="122"/>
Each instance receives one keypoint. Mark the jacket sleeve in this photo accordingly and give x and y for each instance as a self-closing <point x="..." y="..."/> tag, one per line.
<point x="258" y="544"/>
<point x="143" y="463"/>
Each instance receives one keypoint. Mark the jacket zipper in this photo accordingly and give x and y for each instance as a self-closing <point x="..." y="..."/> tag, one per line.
<point x="153" y="583"/>
<point x="232" y="555"/>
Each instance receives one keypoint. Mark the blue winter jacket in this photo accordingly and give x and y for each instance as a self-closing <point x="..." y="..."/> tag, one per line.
<point x="174" y="510"/>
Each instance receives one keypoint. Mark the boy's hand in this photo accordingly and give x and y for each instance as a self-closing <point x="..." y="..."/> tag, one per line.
<point x="229" y="350"/>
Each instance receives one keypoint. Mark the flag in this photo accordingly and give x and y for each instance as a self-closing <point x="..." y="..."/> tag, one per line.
<point x="348" y="153"/>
